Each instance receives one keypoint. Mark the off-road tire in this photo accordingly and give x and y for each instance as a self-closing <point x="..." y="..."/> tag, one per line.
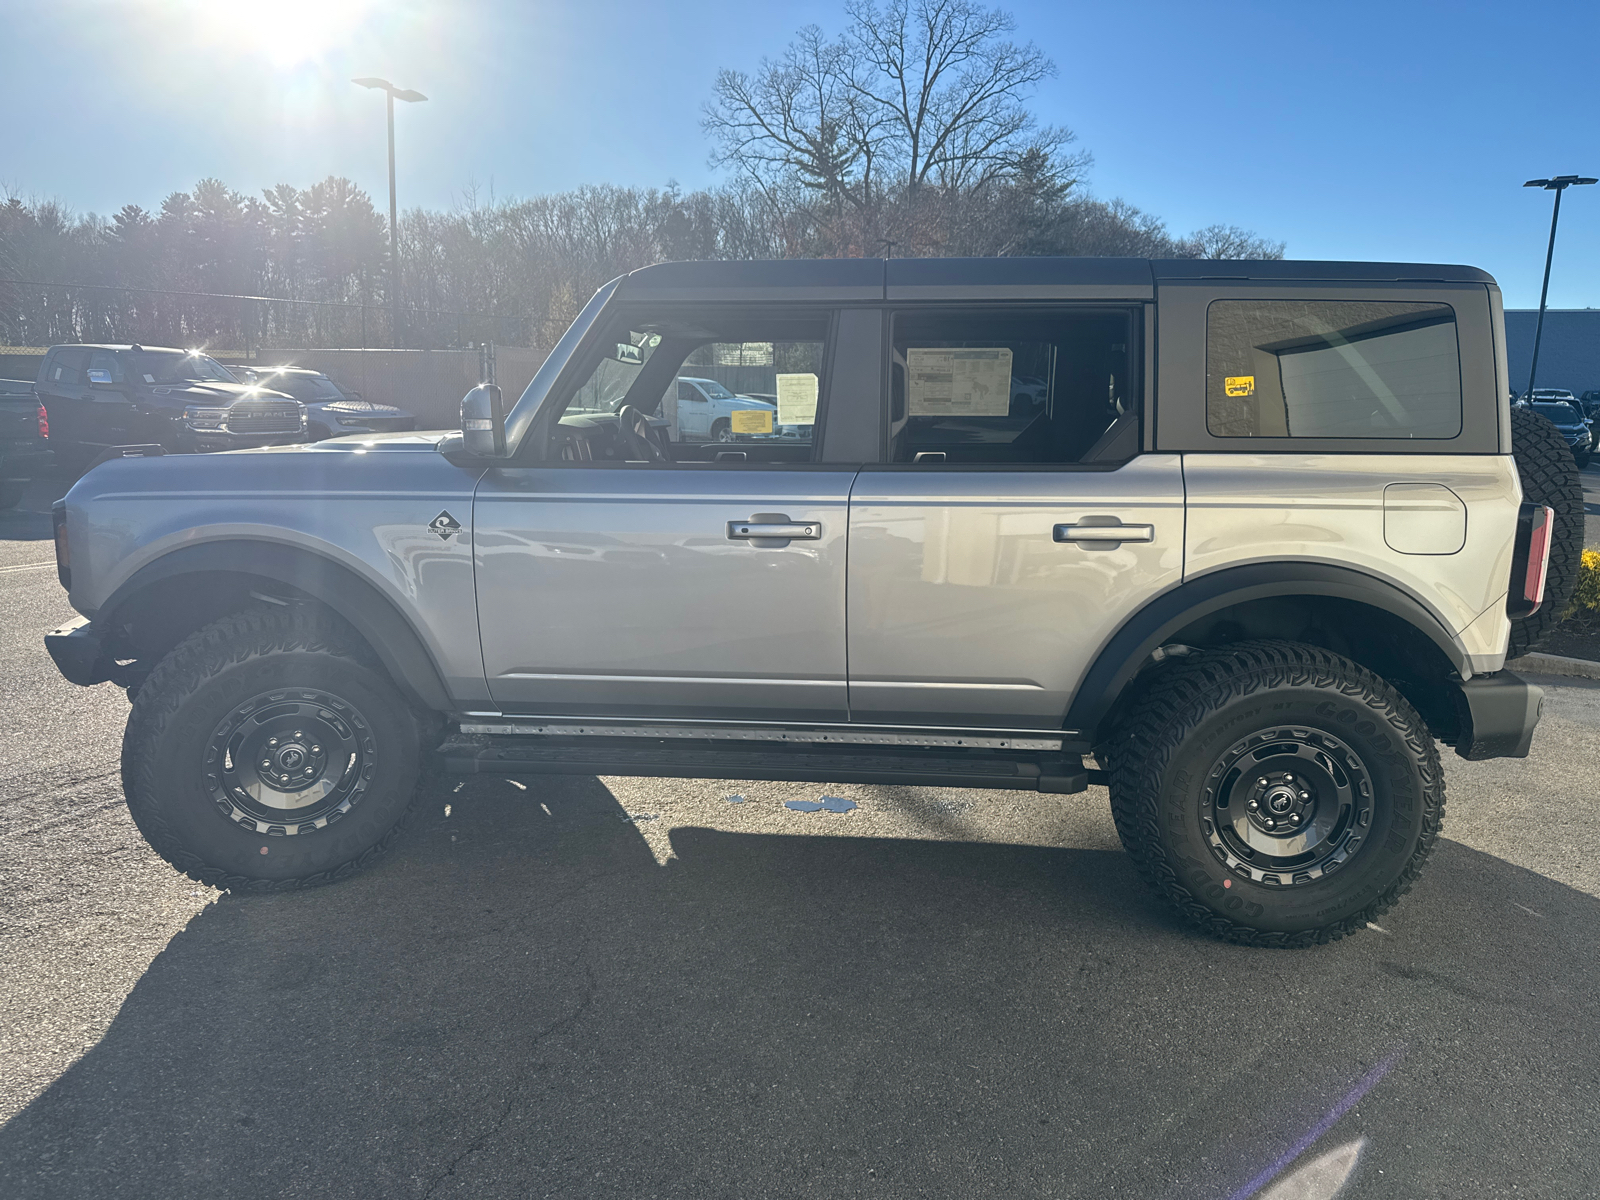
<point x="1164" y="756"/>
<point x="1549" y="475"/>
<point x="290" y="651"/>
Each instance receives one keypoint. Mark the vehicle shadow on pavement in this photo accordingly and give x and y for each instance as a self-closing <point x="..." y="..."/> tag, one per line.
<point x="523" y="1003"/>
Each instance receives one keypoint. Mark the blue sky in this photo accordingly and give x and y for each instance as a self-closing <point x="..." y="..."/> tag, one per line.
<point x="1397" y="130"/>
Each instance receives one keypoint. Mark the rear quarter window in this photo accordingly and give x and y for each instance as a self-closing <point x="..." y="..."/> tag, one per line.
<point x="1332" y="369"/>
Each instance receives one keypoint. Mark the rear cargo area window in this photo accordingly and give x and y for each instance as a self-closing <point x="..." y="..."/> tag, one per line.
<point x="1332" y="369"/>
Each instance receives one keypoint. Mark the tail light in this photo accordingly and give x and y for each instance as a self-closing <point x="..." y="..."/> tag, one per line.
<point x="58" y="516"/>
<point x="44" y="422"/>
<point x="1530" y="563"/>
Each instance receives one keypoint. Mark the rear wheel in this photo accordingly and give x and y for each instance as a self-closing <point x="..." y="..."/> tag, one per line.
<point x="266" y="752"/>
<point x="10" y="495"/>
<point x="1276" y="794"/>
<point x="1549" y="475"/>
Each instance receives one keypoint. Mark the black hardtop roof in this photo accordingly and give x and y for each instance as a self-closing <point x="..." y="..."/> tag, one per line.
<point x="877" y="278"/>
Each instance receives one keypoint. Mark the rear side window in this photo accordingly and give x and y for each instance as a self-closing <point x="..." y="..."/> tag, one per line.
<point x="1332" y="369"/>
<point x="1008" y="387"/>
<point x="67" y="367"/>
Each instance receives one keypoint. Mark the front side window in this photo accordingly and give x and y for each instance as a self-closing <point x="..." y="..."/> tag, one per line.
<point x="698" y="389"/>
<point x="1332" y="369"/>
<point x="1009" y="387"/>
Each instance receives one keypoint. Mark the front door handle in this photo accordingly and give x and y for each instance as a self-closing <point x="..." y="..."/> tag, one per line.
<point x="1103" y="534"/>
<point x="788" y="530"/>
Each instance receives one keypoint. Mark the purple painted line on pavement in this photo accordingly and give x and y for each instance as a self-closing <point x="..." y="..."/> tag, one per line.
<point x="1353" y="1097"/>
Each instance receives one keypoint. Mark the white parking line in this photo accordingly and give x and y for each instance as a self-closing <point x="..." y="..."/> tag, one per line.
<point x="38" y="566"/>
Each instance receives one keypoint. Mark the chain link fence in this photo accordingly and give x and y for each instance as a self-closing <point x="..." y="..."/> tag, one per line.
<point x="45" y="314"/>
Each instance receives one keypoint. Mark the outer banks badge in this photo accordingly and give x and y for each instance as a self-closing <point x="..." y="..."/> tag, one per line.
<point x="445" y="526"/>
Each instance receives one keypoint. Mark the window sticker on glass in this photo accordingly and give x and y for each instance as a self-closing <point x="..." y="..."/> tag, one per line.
<point x="958" y="382"/>
<point x="797" y="399"/>
<point x="149" y="378"/>
<point x="751" y="420"/>
<point x="1240" y="385"/>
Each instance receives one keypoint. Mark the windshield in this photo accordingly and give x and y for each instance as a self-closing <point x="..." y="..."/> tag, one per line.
<point x="714" y="389"/>
<point x="1561" y="414"/>
<point x="156" y="366"/>
<point x="607" y="387"/>
<point x="308" y="388"/>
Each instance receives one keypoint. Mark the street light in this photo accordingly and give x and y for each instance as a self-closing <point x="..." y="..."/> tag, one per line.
<point x="1558" y="184"/>
<point x="409" y="96"/>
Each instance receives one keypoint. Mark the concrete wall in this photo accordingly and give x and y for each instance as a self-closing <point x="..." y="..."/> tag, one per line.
<point x="1569" y="352"/>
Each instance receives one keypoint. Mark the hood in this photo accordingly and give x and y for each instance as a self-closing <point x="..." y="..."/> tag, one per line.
<point x="216" y="393"/>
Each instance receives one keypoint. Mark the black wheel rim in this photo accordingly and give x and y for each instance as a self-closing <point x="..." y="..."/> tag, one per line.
<point x="289" y="762"/>
<point x="1287" y="806"/>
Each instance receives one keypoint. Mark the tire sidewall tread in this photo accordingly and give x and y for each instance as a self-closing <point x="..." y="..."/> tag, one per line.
<point x="1195" y="712"/>
<point x="178" y="706"/>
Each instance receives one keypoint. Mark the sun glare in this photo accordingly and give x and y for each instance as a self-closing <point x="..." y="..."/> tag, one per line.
<point x="286" y="32"/>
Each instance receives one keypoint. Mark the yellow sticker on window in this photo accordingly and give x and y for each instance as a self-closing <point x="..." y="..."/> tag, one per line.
<point x="1240" y="385"/>
<point x="751" y="420"/>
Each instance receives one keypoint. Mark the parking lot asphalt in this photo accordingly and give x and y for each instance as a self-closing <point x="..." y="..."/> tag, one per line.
<point x="632" y="987"/>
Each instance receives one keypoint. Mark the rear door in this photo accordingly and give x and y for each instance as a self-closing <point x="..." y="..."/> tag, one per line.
<point x="678" y="580"/>
<point x="109" y="412"/>
<point x="1016" y="523"/>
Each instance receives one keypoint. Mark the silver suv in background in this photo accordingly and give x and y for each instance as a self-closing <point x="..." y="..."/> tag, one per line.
<point x="1251" y="546"/>
<point x="331" y="410"/>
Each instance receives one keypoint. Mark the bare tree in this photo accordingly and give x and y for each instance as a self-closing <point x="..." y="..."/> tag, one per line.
<point x="798" y="119"/>
<point x="1228" y="241"/>
<point x="949" y="90"/>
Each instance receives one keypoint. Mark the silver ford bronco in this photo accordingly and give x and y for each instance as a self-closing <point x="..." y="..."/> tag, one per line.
<point x="1241" y="541"/>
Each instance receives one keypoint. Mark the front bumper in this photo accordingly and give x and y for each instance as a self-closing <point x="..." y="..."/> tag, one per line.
<point x="193" y="441"/>
<point x="80" y="653"/>
<point x="1496" y="716"/>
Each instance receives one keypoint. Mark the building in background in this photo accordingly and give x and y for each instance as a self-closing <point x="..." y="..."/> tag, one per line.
<point x="1569" y="352"/>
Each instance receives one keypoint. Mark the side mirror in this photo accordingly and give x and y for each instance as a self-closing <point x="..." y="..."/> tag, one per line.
<point x="483" y="422"/>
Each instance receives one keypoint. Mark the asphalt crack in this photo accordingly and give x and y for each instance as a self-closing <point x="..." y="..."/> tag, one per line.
<point x="520" y="1086"/>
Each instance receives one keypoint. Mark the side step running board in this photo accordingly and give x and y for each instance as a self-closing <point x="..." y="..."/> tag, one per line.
<point x="511" y="754"/>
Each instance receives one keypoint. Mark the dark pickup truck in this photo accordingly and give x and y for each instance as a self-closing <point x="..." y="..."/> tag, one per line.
<point x="24" y="445"/>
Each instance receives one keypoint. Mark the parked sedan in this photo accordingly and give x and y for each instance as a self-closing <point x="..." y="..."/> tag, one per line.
<point x="331" y="411"/>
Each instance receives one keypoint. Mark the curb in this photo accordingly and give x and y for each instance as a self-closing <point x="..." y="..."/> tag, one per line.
<point x="1555" y="664"/>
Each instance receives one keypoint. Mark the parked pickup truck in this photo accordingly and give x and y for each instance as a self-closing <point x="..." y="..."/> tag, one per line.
<point x="1259" y="541"/>
<point x="24" y="440"/>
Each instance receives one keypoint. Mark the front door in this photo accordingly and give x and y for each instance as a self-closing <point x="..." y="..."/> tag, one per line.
<point x="626" y="574"/>
<point x="652" y="593"/>
<point x="1016" y="525"/>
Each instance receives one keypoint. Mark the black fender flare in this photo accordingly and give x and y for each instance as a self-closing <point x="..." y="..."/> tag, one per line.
<point x="1131" y="646"/>
<point x="373" y="615"/>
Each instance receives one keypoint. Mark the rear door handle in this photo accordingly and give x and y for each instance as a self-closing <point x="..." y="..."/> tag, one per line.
<point x="1101" y="534"/>
<point x="791" y="530"/>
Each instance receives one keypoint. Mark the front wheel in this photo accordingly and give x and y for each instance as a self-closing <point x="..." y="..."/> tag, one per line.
<point x="722" y="430"/>
<point x="266" y="752"/>
<point x="1275" y="793"/>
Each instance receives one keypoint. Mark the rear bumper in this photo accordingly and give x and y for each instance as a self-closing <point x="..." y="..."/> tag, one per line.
<point x="1497" y="715"/>
<point x="19" y="464"/>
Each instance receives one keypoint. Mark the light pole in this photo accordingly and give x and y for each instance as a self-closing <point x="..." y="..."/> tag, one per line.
<point x="1557" y="184"/>
<point x="410" y="96"/>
